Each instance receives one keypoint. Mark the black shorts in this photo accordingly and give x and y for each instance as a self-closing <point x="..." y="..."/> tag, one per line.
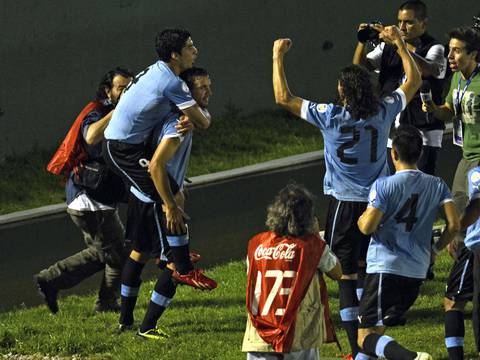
<point x="130" y="162"/>
<point x="460" y="280"/>
<point x="144" y="227"/>
<point x="343" y="235"/>
<point x="395" y="293"/>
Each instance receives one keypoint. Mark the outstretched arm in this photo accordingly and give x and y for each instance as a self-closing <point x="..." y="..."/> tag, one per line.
<point x="283" y="96"/>
<point x="414" y="79"/>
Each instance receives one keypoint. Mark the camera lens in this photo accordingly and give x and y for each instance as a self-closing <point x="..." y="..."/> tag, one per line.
<point x="367" y="34"/>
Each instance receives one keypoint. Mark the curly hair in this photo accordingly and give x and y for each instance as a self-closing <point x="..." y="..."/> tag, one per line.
<point x="107" y="81"/>
<point x="470" y="36"/>
<point x="292" y="212"/>
<point x="357" y="92"/>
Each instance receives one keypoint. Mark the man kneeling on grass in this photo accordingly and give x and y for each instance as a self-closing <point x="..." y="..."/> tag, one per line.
<point x="287" y="299"/>
<point x="400" y="216"/>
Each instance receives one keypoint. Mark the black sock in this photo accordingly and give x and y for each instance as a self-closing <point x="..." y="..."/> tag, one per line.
<point x="454" y="334"/>
<point x="161" y="297"/>
<point x="360" y="281"/>
<point x="387" y="347"/>
<point x="181" y="258"/>
<point x="349" y="311"/>
<point x="130" y="287"/>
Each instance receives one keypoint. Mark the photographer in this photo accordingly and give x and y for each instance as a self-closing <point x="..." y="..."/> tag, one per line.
<point x="92" y="192"/>
<point x="430" y="59"/>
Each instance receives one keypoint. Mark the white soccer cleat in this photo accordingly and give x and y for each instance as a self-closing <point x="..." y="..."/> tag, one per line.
<point x="423" y="356"/>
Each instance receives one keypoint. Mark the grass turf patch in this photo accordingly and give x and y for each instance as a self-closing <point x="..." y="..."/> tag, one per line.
<point x="230" y="142"/>
<point x="202" y="325"/>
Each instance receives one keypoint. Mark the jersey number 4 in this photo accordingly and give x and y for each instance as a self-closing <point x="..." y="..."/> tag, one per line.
<point x="407" y="213"/>
<point x="356" y="138"/>
<point x="276" y="290"/>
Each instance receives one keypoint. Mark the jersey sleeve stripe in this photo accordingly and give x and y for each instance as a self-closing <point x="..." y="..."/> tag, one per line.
<point x="186" y="104"/>
<point x="303" y="111"/>
<point x="402" y="97"/>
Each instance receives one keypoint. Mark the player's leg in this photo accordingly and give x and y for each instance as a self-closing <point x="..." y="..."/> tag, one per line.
<point x="382" y="292"/>
<point x="476" y="298"/>
<point x="459" y="292"/>
<point x="337" y="235"/>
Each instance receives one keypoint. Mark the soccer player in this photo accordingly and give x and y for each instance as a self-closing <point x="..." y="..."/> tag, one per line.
<point x="169" y="163"/>
<point x="148" y="101"/>
<point x="464" y="280"/>
<point x="400" y="215"/>
<point x="287" y="301"/>
<point x="92" y="207"/>
<point x="355" y="134"/>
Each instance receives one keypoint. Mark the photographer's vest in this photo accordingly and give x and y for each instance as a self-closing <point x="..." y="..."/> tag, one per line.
<point x="391" y="73"/>
<point x="281" y="270"/>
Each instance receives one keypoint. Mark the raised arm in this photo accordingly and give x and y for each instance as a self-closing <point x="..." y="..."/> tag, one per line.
<point x="360" y="55"/>
<point x="414" y="79"/>
<point x="283" y="96"/>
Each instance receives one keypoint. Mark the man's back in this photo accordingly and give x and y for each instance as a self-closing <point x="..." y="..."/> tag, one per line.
<point x="147" y="100"/>
<point x="355" y="149"/>
<point x="409" y="200"/>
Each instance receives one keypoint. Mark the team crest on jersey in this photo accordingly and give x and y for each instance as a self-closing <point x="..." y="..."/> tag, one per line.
<point x="475" y="178"/>
<point x="389" y="100"/>
<point x="185" y="87"/>
<point x="279" y="252"/>
<point x="322" y="108"/>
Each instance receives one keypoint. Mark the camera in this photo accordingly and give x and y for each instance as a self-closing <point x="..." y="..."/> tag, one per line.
<point x="369" y="33"/>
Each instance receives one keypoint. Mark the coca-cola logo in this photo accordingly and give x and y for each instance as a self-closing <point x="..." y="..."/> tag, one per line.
<point x="279" y="252"/>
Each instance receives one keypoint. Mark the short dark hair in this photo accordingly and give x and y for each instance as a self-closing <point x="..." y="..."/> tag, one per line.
<point x="292" y="212"/>
<point x="189" y="75"/>
<point x="417" y="6"/>
<point x="169" y="41"/>
<point x="107" y="80"/>
<point x="469" y="35"/>
<point x="407" y="142"/>
<point x="358" y="92"/>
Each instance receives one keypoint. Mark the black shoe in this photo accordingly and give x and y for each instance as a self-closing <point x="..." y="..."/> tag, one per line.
<point x="48" y="293"/>
<point x="123" y="328"/>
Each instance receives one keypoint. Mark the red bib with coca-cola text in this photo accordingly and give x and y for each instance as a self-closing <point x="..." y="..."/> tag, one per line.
<point x="279" y="274"/>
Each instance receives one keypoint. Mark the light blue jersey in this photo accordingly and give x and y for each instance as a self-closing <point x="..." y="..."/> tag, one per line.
<point x="355" y="150"/>
<point x="409" y="201"/>
<point x="147" y="101"/>
<point x="177" y="166"/>
<point x="473" y="232"/>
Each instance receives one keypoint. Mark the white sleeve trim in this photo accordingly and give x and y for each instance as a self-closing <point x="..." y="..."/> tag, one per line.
<point x="172" y="136"/>
<point x="186" y="104"/>
<point x="403" y="97"/>
<point x="446" y="201"/>
<point x="375" y="56"/>
<point x="327" y="261"/>
<point x="303" y="111"/>
<point x="437" y="54"/>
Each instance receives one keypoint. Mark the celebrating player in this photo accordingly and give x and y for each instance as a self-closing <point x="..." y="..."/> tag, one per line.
<point x="400" y="215"/>
<point x="355" y="135"/>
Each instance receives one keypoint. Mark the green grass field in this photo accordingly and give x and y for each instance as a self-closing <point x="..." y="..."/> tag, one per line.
<point x="202" y="325"/>
<point x="230" y="142"/>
